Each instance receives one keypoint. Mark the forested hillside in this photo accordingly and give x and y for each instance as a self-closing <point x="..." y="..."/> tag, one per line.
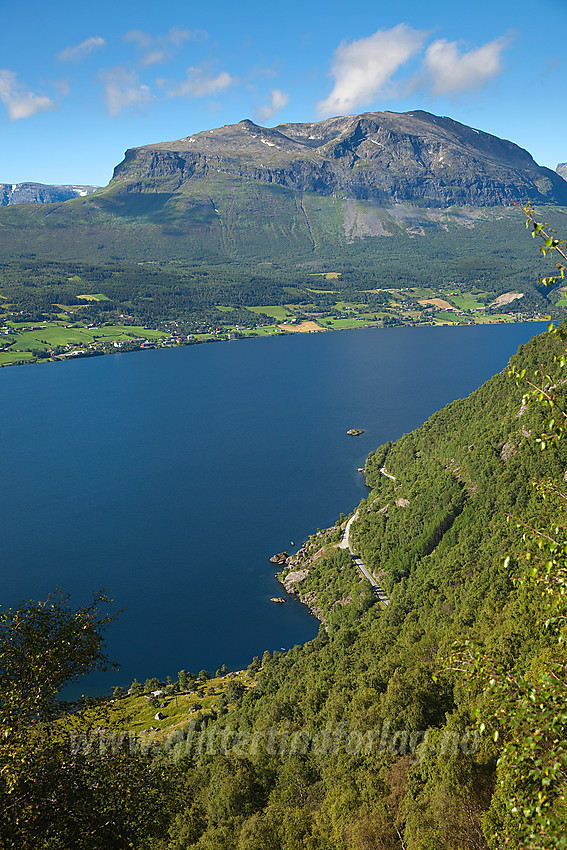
<point x="383" y="732"/>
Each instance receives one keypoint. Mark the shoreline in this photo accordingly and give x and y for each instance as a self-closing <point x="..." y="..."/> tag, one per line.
<point x="312" y="604"/>
<point x="153" y="345"/>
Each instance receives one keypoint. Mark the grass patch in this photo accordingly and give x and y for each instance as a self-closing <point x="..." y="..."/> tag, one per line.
<point x="135" y="714"/>
<point x="97" y="297"/>
<point x="448" y="318"/>
<point x="349" y="305"/>
<point x="499" y="317"/>
<point x="129" y="331"/>
<point x="275" y="311"/>
<point x="467" y="301"/>
<point x="53" y="334"/>
<point x="8" y="358"/>
<point x="265" y="330"/>
<point x="360" y="321"/>
<point x="320" y="291"/>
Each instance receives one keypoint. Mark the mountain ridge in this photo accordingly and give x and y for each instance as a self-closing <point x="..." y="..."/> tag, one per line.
<point x="382" y="157"/>
<point x="41" y="193"/>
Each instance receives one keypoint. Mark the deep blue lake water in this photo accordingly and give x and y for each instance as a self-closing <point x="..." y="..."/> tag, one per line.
<point x="171" y="476"/>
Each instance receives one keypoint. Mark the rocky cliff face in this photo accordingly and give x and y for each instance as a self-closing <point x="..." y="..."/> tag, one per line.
<point x="383" y="157"/>
<point x="40" y="193"/>
<point x="562" y="170"/>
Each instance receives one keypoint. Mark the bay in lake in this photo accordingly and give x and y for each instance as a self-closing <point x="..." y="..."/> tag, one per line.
<point x="171" y="476"/>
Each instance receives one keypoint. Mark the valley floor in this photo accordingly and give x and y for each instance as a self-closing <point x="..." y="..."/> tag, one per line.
<point x="66" y="336"/>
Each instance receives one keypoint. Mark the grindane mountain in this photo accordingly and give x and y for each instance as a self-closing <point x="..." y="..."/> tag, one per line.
<point x="382" y="157"/>
<point x="384" y="199"/>
<point x="40" y="193"/>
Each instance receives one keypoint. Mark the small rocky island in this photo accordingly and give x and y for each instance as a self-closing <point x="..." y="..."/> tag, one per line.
<point x="279" y="599"/>
<point x="355" y="432"/>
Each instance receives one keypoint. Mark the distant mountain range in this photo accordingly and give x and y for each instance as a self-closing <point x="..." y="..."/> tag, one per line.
<point x="40" y="193"/>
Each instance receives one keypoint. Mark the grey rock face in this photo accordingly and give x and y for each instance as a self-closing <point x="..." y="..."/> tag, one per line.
<point x="383" y="157"/>
<point x="562" y="170"/>
<point x="40" y="193"/>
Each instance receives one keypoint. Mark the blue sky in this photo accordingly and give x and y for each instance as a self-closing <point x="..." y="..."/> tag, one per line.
<point x="80" y="83"/>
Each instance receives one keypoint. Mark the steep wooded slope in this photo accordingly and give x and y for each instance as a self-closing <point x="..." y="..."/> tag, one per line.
<point x="383" y="672"/>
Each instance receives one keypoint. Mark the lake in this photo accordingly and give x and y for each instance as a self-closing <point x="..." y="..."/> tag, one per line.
<point x="171" y="476"/>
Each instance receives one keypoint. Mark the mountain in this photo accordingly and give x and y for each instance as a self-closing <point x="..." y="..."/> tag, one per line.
<point x="562" y="170"/>
<point x="383" y="157"/>
<point x="40" y="193"/>
<point x="244" y="215"/>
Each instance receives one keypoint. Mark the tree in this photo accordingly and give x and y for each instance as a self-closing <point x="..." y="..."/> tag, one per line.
<point x="57" y="790"/>
<point x="524" y="709"/>
<point x="204" y="676"/>
<point x="43" y="647"/>
<point x="551" y="245"/>
<point x="234" y="690"/>
<point x="254" y="665"/>
<point x="136" y="688"/>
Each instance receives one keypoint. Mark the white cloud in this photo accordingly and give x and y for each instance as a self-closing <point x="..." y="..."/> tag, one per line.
<point x="154" y="57"/>
<point x="18" y="100"/>
<point x="142" y="39"/>
<point x="199" y="84"/>
<point x="62" y="87"/>
<point x="178" y="36"/>
<point x="279" y="99"/>
<point x="363" y="69"/>
<point x="73" y="54"/>
<point x="123" y="90"/>
<point x="450" y="72"/>
<point x="160" y="48"/>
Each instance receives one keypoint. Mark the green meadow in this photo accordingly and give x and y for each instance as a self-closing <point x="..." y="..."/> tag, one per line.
<point x="138" y="714"/>
<point x="27" y="339"/>
<point x="275" y="311"/>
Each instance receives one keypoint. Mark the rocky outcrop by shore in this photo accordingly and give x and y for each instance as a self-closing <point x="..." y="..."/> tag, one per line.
<point x="280" y="559"/>
<point x="291" y="579"/>
<point x="296" y="569"/>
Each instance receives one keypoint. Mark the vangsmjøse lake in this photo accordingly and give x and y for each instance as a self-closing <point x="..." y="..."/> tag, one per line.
<point x="171" y="476"/>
